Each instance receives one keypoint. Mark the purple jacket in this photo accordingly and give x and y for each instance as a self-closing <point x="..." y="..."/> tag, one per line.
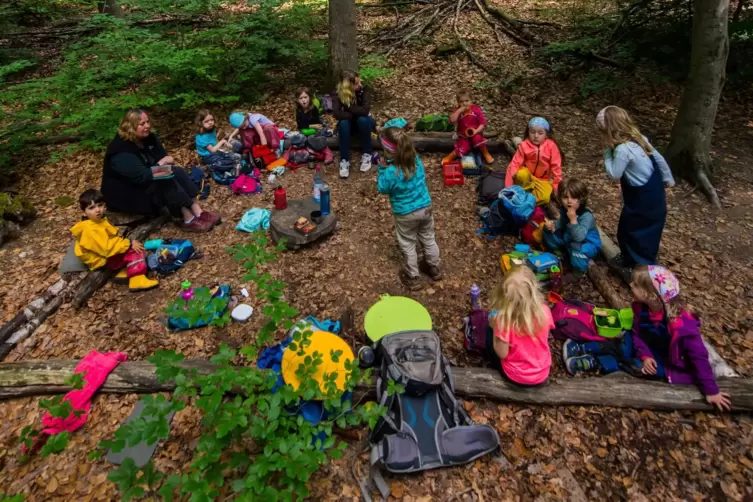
<point x="688" y="362"/>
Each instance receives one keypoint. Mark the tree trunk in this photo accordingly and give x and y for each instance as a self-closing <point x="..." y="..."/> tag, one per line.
<point x="109" y="7"/>
<point x="29" y="378"/>
<point x="343" y="44"/>
<point x="688" y="150"/>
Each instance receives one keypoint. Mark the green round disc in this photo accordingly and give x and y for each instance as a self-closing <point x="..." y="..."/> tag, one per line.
<point x="395" y="313"/>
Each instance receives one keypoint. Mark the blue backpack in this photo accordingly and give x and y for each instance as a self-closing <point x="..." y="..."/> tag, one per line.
<point x="519" y="202"/>
<point x="182" y="323"/>
<point x="171" y="256"/>
<point x="199" y="177"/>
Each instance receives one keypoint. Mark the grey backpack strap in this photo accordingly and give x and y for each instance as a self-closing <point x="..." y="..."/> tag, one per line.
<point x="375" y="474"/>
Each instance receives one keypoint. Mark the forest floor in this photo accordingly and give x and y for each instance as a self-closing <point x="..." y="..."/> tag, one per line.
<point x="574" y="453"/>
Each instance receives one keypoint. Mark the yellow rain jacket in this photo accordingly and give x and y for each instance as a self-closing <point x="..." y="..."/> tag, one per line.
<point x="541" y="189"/>
<point x="96" y="241"/>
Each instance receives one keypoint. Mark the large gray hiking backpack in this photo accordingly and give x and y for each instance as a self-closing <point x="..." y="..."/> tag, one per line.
<point x="424" y="427"/>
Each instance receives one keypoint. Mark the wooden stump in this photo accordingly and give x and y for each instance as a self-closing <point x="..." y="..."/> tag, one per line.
<point x="282" y="223"/>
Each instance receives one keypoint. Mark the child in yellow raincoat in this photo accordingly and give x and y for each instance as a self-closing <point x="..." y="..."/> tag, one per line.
<point x="99" y="244"/>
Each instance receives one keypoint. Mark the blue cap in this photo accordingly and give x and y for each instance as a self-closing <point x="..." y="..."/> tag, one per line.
<point x="236" y="119"/>
<point x="534" y="122"/>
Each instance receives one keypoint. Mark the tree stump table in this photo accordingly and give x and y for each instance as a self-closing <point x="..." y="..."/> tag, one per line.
<point x="282" y="223"/>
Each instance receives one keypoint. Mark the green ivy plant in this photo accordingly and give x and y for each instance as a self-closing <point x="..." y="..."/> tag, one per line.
<point x="253" y="441"/>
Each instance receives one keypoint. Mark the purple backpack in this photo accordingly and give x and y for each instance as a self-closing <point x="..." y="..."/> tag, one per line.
<point x="574" y="320"/>
<point x="475" y="325"/>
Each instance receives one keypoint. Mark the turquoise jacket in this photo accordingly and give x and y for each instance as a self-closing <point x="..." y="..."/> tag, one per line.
<point x="406" y="196"/>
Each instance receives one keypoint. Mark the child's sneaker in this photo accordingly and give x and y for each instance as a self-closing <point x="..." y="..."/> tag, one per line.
<point x="365" y="162"/>
<point x="344" y="168"/>
<point x="412" y="283"/>
<point x="580" y="364"/>
<point x="571" y="349"/>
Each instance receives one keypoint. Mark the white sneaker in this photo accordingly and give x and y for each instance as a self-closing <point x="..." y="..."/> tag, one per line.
<point x="365" y="162"/>
<point x="344" y="168"/>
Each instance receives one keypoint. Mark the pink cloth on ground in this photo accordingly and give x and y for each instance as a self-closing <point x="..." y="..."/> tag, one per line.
<point x="97" y="367"/>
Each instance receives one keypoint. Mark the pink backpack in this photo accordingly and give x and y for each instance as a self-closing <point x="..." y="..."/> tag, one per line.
<point x="574" y="320"/>
<point x="245" y="184"/>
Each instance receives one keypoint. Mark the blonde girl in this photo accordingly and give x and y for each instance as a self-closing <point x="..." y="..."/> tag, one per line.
<point x="642" y="172"/>
<point x="402" y="177"/>
<point x="520" y="322"/>
<point x="351" y="106"/>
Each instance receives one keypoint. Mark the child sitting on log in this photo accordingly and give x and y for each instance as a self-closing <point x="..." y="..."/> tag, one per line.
<point x="403" y="178"/>
<point x="573" y="232"/>
<point x="470" y="123"/>
<point x="538" y="153"/>
<point x="98" y="244"/>
<point x="666" y="339"/>
<point x="520" y="320"/>
<point x="209" y="149"/>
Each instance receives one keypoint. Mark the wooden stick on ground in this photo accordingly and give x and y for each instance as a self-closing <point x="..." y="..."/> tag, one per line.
<point x="609" y="249"/>
<point x="28" y="378"/>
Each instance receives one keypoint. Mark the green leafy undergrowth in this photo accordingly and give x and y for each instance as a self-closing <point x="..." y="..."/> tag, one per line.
<point x="253" y="443"/>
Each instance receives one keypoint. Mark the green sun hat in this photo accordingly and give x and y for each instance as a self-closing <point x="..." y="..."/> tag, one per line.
<point x="392" y="314"/>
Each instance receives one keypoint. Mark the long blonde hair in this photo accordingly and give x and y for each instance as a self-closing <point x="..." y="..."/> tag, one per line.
<point x="519" y="303"/>
<point x="405" y="154"/>
<point x="619" y="128"/>
<point x="642" y="279"/>
<point x="346" y="88"/>
<point x="129" y="123"/>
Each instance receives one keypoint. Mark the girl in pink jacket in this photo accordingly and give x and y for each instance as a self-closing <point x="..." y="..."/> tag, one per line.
<point x="538" y="153"/>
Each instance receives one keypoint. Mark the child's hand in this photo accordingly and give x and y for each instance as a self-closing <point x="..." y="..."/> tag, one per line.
<point x="549" y="225"/>
<point x="649" y="367"/>
<point x="263" y="141"/>
<point x="572" y="215"/>
<point x="137" y="246"/>
<point x="721" y="401"/>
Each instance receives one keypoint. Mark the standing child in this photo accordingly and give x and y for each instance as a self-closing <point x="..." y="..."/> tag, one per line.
<point x="470" y="123"/>
<point x="404" y="180"/>
<point x="208" y="147"/>
<point x="642" y="172"/>
<point x="538" y="153"/>
<point x="306" y="114"/>
<point x="99" y="244"/>
<point x="574" y="231"/>
<point x="666" y="337"/>
<point x="520" y="322"/>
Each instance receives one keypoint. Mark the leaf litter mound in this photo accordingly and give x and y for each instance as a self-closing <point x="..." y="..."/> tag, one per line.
<point x="553" y="453"/>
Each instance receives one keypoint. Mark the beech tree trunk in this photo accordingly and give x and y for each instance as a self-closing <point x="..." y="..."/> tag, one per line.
<point x="343" y="44"/>
<point x="688" y="150"/>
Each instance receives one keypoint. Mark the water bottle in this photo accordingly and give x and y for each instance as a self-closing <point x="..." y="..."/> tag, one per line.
<point x="318" y="183"/>
<point x="324" y="204"/>
<point x="281" y="199"/>
<point x="186" y="293"/>
<point x="475" y="296"/>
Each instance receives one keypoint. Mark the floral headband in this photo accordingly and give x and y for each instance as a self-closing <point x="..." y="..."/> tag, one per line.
<point x="665" y="282"/>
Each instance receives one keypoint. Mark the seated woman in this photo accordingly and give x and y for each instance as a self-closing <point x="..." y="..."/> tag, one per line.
<point x="131" y="184"/>
<point x="351" y="105"/>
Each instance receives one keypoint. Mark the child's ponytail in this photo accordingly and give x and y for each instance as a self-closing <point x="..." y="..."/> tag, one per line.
<point x="402" y="149"/>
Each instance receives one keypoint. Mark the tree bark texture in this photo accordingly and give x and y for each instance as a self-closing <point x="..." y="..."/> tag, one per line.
<point x="688" y="150"/>
<point x="28" y="378"/>
<point x="343" y="43"/>
<point x="609" y="249"/>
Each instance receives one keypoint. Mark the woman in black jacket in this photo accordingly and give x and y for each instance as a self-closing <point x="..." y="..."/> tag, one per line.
<point x="351" y="106"/>
<point x="130" y="184"/>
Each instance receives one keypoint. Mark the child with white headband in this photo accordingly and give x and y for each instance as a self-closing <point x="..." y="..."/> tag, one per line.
<point x="537" y="159"/>
<point x="403" y="178"/>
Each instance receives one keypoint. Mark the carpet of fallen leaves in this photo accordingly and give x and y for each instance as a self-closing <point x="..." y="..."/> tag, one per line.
<point x="575" y="453"/>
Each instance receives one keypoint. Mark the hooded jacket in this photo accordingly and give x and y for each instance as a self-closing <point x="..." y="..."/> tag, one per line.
<point x="96" y="241"/>
<point x="360" y="108"/>
<point x="544" y="161"/>
<point x="688" y="360"/>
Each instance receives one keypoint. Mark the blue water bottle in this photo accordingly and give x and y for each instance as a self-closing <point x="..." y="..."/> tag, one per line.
<point x="324" y="205"/>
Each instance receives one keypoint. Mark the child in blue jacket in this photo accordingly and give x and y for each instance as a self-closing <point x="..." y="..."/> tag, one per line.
<point x="404" y="180"/>
<point x="574" y="233"/>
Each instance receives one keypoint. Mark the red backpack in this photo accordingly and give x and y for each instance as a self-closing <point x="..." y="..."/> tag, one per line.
<point x="574" y="320"/>
<point x="532" y="233"/>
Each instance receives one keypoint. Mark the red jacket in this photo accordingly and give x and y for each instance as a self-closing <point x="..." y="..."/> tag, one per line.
<point x="544" y="161"/>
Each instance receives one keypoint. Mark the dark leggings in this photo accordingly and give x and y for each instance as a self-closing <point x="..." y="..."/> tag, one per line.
<point x="493" y="358"/>
<point x="174" y="193"/>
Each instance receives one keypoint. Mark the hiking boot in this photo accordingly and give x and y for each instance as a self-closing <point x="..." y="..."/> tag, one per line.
<point x="141" y="283"/>
<point x="365" y="162"/>
<point x="344" y="168"/>
<point x="432" y="271"/>
<point x="571" y="349"/>
<point x="617" y="262"/>
<point x="581" y="364"/>
<point x="121" y="277"/>
<point x="212" y="217"/>
<point x="197" y="225"/>
<point x="412" y="283"/>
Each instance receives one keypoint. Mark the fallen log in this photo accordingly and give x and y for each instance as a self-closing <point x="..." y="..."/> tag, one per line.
<point x="98" y="278"/>
<point x="30" y="378"/>
<point x="609" y="249"/>
<point x="430" y="142"/>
